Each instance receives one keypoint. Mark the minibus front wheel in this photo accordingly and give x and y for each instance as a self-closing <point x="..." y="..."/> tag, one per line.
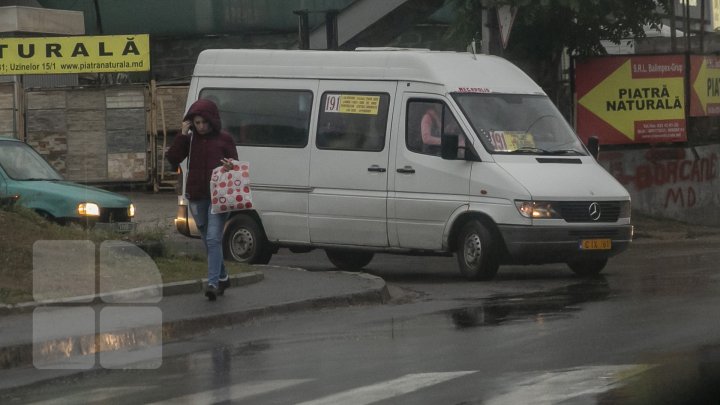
<point x="476" y="252"/>
<point x="349" y="259"/>
<point x="245" y="241"/>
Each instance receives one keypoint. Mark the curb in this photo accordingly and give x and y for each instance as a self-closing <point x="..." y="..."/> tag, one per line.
<point x="148" y="293"/>
<point x="378" y="293"/>
<point x="188" y="327"/>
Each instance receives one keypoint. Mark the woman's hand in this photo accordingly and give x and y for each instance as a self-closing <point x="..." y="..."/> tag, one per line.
<point x="186" y="125"/>
<point x="227" y="163"/>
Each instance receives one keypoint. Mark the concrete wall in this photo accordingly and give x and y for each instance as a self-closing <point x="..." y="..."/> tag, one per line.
<point x="91" y="134"/>
<point x="41" y="21"/>
<point x="675" y="183"/>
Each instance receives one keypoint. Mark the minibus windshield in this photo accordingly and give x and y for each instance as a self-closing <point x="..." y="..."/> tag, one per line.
<point x="519" y="124"/>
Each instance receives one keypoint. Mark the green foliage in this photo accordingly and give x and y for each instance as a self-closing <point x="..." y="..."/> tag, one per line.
<point x="546" y="27"/>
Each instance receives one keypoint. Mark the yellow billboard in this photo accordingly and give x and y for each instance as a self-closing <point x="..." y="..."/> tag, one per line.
<point x="79" y="54"/>
<point x="631" y="99"/>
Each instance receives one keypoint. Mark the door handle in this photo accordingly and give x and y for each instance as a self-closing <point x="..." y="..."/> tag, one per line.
<point x="406" y="170"/>
<point x="377" y="169"/>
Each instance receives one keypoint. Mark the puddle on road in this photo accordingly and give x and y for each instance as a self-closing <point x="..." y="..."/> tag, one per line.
<point x="540" y="306"/>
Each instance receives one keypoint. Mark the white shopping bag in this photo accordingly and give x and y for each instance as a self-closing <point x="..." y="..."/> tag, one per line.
<point x="230" y="189"/>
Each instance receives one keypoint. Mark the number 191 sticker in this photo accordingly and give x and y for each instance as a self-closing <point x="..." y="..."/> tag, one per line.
<point x="352" y="104"/>
<point x="508" y="141"/>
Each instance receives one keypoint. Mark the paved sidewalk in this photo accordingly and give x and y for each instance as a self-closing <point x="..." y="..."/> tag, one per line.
<point x="25" y="339"/>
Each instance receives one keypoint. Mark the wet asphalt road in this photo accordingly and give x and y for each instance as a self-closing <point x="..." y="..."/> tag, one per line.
<point x="645" y="332"/>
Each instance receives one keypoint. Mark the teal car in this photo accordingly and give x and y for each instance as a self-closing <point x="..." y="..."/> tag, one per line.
<point x="26" y="179"/>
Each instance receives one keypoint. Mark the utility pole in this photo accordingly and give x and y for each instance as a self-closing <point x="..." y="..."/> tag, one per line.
<point x="331" y="29"/>
<point x="687" y="26"/>
<point x="303" y="29"/>
<point x="98" y="20"/>
<point x="702" y="26"/>
<point x="673" y="25"/>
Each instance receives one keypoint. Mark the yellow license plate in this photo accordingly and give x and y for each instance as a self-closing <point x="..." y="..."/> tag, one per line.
<point x="596" y="244"/>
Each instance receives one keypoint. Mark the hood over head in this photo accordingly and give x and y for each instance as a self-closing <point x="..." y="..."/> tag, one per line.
<point x="206" y="109"/>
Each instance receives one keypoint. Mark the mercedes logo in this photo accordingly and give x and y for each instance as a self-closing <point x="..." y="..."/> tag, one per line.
<point x="594" y="211"/>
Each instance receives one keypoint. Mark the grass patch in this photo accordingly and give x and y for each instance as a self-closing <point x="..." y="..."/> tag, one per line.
<point x="181" y="268"/>
<point x="23" y="227"/>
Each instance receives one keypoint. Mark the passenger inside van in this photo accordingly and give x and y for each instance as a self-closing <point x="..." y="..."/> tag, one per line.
<point x="425" y="130"/>
<point x="430" y="127"/>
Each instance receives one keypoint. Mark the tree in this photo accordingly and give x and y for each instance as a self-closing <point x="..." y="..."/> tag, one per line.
<point x="544" y="29"/>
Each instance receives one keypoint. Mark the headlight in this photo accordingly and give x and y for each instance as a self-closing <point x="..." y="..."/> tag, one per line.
<point x="537" y="209"/>
<point x="88" y="210"/>
<point x="131" y="210"/>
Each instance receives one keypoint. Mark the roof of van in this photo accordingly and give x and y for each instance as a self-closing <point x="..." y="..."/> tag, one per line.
<point x="457" y="71"/>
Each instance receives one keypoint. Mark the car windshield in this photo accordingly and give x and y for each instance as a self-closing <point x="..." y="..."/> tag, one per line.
<point x="519" y="123"/>
<point x="21" y="162"/>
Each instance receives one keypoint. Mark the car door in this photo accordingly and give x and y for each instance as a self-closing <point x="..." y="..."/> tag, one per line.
<point x="427" y="189"/>
<point x="3" y="186"/>
<point x="349" y="161"/>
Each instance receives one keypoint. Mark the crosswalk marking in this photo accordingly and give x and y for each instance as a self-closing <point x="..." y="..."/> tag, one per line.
<point x="234" y="392"/>
<point x="94" y="395"/>
<point x="540" y="389"/>
<point x="388" y="389"/>
<point x="556" y="387"/>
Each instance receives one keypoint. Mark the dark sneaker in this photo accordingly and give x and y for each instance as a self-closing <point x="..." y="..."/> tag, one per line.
<point x="211" y="292"/>
<point x="224" y="285"/>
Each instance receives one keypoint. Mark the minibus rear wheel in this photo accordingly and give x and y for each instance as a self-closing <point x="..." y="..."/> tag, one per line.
<point x="476" y="252"/>
<point x="349" y="259"/>
<point x="587" y="267"/>
<point x="245" y="241"/>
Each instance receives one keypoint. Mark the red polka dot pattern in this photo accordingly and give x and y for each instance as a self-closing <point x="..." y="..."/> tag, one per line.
<point x="231" y="188"/>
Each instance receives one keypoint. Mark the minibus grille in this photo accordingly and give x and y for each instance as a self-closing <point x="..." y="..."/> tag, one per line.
<point x="114" y="215"/>
<point x="584" y="211"/>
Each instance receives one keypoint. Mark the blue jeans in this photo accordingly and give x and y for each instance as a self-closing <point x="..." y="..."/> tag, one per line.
<point x="211" y="228"/>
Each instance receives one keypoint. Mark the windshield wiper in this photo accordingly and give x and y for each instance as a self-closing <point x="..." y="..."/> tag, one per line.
<point x="564" y="152"/>
<point x="39" y="179"/>
<point x="532" y="149"/>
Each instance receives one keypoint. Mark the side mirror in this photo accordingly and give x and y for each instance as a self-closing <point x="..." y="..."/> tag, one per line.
<point x="449" y="146"/>
<point x="593" y="146"/>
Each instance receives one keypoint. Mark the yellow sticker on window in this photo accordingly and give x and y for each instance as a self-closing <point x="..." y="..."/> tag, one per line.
<point x="352" y="104"/>
<point x="508" y="141"/>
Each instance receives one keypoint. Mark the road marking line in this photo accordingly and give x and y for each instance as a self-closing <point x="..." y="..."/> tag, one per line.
<point x="234" y="392"/>
<point x="556" y="387"/>
<point x="388" y="389"/>
<point x="94" y="395"/>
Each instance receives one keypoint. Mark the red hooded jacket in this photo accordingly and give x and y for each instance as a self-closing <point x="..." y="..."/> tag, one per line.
<point x="206" y="151"/>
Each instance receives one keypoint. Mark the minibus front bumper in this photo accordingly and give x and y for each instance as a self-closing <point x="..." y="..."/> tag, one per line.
<point x="543" y="244"/>
<point x="184" y="222"/>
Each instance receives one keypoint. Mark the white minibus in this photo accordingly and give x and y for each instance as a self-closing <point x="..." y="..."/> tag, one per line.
<point x="412" y="152"/>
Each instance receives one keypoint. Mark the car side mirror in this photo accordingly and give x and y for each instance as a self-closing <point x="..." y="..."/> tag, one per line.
<point x="449" y="146"/>
<point x="593" y="146"/>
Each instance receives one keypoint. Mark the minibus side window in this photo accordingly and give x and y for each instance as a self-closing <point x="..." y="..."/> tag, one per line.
<point x="264" y="117"/>
<point x="426" y="122"/>
<point x="353" y="121"/>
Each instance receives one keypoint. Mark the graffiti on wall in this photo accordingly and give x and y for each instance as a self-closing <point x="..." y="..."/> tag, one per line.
<point x="668" y="181"/>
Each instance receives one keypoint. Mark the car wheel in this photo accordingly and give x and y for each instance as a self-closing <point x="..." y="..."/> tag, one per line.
<point x="349" y="259"/>
<point x="245" y="241"/>
<point x="587" y="267"/>
<point x="477" y="252"/>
